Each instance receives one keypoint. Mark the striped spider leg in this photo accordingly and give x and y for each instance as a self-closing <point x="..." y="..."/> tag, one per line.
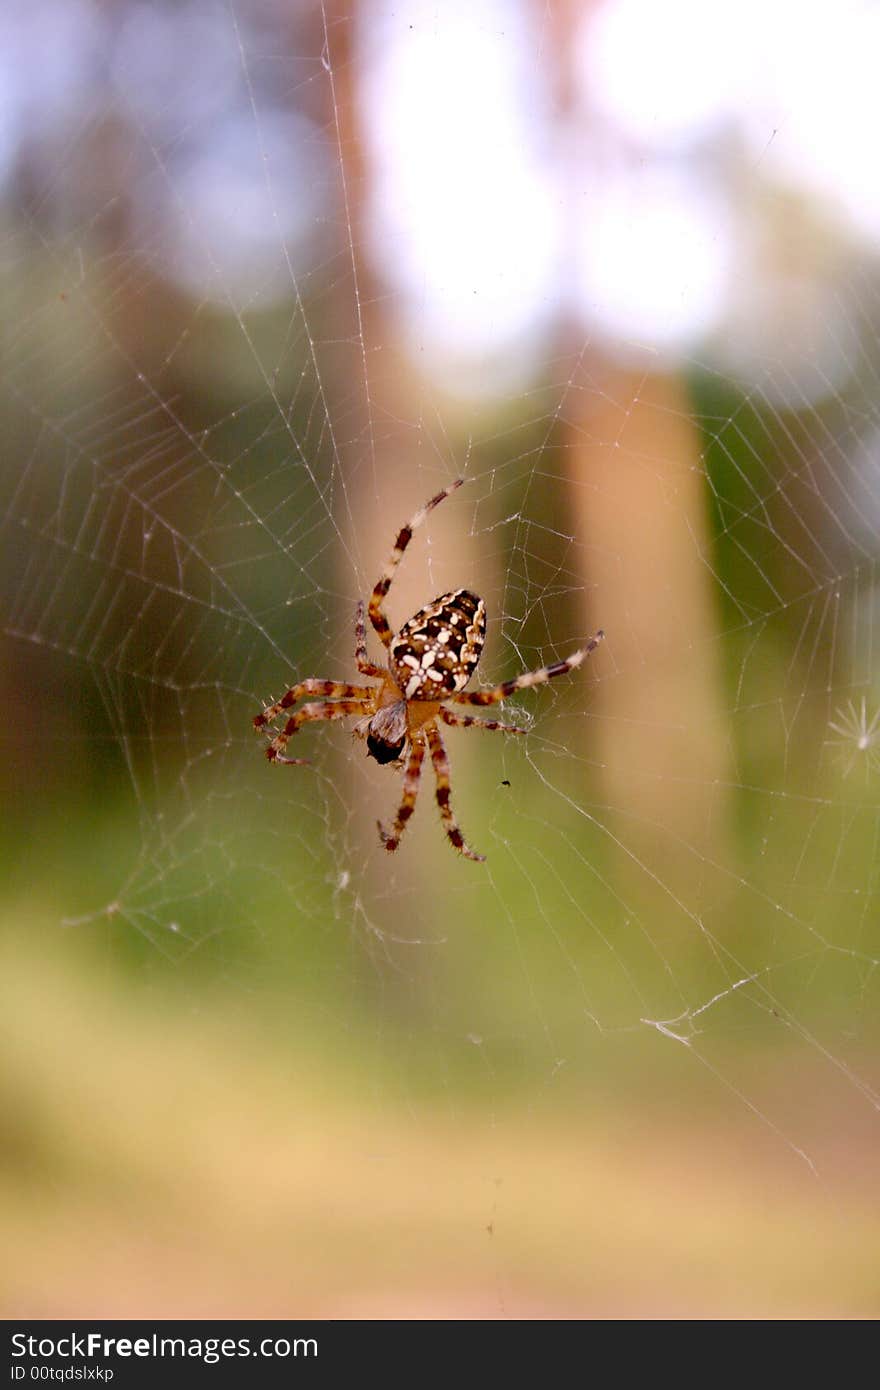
<point x="383" y="583"/>
<point x="440" y="761"/>
<point x="350" y="699"/>
<point x="341" y="701"/>
<point x="364" y="664"/>
<point x="391" y="838"/>
<point x="528" y="678"/>
<point x="469" y="721"/>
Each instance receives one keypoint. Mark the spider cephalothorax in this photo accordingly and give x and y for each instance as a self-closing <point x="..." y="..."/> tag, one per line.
<point x="430" y="661"/>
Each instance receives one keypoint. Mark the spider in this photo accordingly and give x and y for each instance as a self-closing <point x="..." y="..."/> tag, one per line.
<point x="430" y="661"/>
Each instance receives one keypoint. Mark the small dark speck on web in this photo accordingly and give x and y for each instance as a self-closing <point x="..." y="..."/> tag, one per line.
<point x="505" y="783"/>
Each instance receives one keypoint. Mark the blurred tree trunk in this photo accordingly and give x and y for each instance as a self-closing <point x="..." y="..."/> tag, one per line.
<point x="641" y="509"/>
<point x="639" y="503"/>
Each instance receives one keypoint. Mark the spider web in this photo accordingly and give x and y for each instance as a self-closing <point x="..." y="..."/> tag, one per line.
<point x="222" y="397"/>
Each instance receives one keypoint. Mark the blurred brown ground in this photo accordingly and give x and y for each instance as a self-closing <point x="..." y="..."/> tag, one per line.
<point x="163" y="1160"/>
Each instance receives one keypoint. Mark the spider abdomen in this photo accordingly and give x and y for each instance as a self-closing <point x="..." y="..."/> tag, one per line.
<point x="436" y="652"/>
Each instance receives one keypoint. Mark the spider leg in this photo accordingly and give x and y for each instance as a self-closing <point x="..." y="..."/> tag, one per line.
<point x="391" y="838"/>
<point x="469" y="721"/>
<point x="441" y="771"/>
<point x="335" y="690"/>
<point x="528" y="678"/>
<point x="383" y="584"/>
<point x="364" y="664"/>
<point x="320" y="709"/>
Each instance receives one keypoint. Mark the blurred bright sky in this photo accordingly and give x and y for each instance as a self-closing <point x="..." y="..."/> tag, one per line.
<point x="630" y="208"/>
<point x="646" y="207"/>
